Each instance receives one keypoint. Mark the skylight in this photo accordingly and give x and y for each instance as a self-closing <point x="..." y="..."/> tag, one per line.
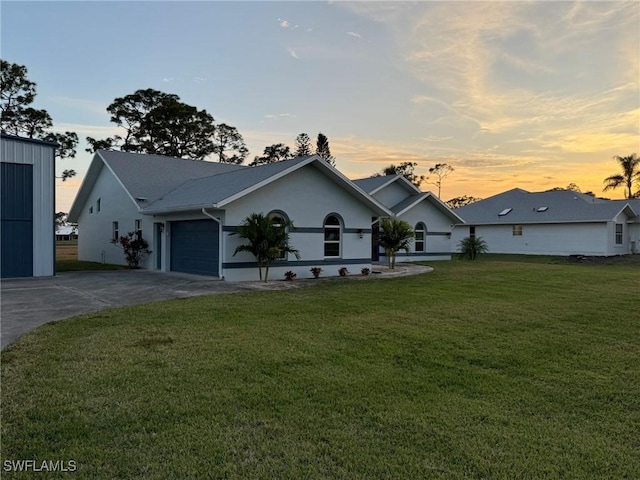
<point x="504" y="212"/>
<point x="542" y="209"/>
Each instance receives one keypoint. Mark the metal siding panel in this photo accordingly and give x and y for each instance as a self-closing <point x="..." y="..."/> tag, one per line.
<point x="42" y="159"/>
<point x="195" y="247"/>
<point x="16" y="236"/>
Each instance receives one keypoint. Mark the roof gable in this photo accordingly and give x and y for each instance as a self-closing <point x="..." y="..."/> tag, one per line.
<point x="374" y="184"/>
<point x="144" y="177"/>
<point x="222" y="189"/>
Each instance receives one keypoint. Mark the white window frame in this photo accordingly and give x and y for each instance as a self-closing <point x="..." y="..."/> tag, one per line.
<point x="332" y="228"/>
<point x="619" y="234"/>
<point x="137" y="227"/>
<point x="115" y="231"/>
<point x="516" y="230"/>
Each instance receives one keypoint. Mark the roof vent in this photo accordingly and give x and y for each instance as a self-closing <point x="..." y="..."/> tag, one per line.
<point x="504" y="212"/>
<point x="141" y="199"/>
<point x="542" y="209"/>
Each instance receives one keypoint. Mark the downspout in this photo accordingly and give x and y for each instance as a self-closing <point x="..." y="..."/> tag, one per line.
<point x="220" y="236"/>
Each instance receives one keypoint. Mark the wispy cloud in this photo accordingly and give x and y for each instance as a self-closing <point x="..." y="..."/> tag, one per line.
<point x="168" y="79"/>
<point x="279" y="116"/>
<point x="81" y="104"/>
<point x="293" y="53"/>
<point x="354" y="34"/>
<point x="286" y="25"/>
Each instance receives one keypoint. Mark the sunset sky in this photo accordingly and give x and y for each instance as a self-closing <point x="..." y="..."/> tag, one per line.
<point x="510" y="94"/>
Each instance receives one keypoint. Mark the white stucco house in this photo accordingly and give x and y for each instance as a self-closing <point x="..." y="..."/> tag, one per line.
<point x="552" y="223"/>
<point x="27" y="201"/>
<point x="187" y="210"/>
<point x="430" y="218"/>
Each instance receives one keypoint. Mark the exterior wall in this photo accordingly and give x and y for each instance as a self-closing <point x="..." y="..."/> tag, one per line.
<point x="307" y="196"/>
<point x="392" y="194"/>
<point x="634" y="237"/>
<point x="96" y="229"/>
<point x="42" y="157"/>
<point x="438" y="235"/>
<point x="542" y="239"/>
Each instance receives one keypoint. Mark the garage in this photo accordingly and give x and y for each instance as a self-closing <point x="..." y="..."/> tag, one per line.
<point x="195" y="247"/>
<point x="27" y="185"/>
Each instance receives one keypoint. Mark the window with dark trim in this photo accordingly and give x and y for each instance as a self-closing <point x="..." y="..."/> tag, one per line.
<point x="138" y="228"/>
<point x="472" y="232"/>
<point x="517" y="231"/>
<point x="420" y="232"/>
<point x="332" y="236"/>
<point x="619" y="233"/>
<point x="115" y="235"/>
<point x="98" y="204"/>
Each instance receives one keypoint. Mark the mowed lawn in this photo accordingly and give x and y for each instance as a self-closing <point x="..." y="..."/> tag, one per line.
<point x="494" y="369"/>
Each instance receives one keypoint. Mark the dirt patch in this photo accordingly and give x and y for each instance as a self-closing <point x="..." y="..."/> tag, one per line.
<point x="614" y="260"/>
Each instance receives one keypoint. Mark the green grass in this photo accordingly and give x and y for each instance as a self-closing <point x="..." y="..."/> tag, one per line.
<point x="67" y="259"/>
<point x="497" y="369"/>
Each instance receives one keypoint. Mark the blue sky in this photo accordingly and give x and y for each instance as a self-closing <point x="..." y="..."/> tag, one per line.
<point x="511" y="94"/>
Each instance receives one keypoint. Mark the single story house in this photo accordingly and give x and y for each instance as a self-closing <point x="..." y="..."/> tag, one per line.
<point x="27" y="206"/>
<point x="188" y="209"/>
<point x="560" y="222"/>
<point x="66" y="233"/>
<point x="430" y="218"/>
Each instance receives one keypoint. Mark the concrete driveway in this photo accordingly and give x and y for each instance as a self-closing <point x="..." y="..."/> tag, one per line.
<point x="27" y="303"/>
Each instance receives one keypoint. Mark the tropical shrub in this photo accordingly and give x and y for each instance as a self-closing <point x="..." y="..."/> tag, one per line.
<point x="267" y="241"/>
<point x="471" y="247"/>
<point x="343" y="271"/>
<point x="290" y="275"/>
<point x="395" y="235"/>
<point x="316" y="271"/>
<point x="135" y="248"/>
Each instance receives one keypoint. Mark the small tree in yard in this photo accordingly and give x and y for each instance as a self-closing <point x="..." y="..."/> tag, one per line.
<point x="395" y="235"/>
<point x="268" y="241"/>
<point x="471" y="247"/>
<point x="134" y="246"/>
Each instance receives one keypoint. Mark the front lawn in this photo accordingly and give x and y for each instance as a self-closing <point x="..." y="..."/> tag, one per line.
<point x="489" y="369"/>
<point x="67" y="259"/>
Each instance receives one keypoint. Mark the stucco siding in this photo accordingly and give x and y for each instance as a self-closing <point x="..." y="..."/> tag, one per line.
<point x="42" y="157"/>
<point x="96" y="224"/>
<point x="541" y="239"/>
<point x="392" y="194"/>
<point x="307" y="197"/>
<point x="437" y="242"/>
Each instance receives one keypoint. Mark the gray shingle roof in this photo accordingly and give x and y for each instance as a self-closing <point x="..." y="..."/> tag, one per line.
<point x="563" y="206"/>
<point x="371" y="183"/>
<point x="211" y="190"/>
<point x="152" y="176"/>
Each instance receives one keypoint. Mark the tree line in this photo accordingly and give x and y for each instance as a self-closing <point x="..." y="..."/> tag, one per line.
<point x="155" y="122"/>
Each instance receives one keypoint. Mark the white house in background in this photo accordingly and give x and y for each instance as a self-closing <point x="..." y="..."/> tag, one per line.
<point x="66" y="233"/>
<point x="187" y="209"/>
<point x="430" y="218"/>
<point x="552" y="223"/>
<point x="27" y="200"/>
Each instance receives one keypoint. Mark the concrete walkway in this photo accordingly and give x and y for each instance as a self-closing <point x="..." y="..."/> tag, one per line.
<point x="28" y="303"/>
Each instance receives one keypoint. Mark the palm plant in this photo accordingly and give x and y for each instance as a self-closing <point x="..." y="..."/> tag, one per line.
<point x="395" y="235"/>
<point x="471" y="247"/>
<point x="630" y="175"/>
<point x="267" y="241"/>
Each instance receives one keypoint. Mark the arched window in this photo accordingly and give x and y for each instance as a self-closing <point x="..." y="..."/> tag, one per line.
<point x="332" y="236"/>
<point x="420" y="232"/>
<point x="279" y="219"/>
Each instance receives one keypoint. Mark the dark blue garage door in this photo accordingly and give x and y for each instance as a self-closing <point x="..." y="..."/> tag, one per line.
<point x="16" y="214"/>
<point x="195" y="247"/>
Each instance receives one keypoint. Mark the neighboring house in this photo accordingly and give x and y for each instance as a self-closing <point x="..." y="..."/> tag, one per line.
<point x="431" y="220"/>
<point x="552" y="223"/>
<point x="187" y="210"/>
<point x="66" y="233"/>
<point x="27" y="202"/>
